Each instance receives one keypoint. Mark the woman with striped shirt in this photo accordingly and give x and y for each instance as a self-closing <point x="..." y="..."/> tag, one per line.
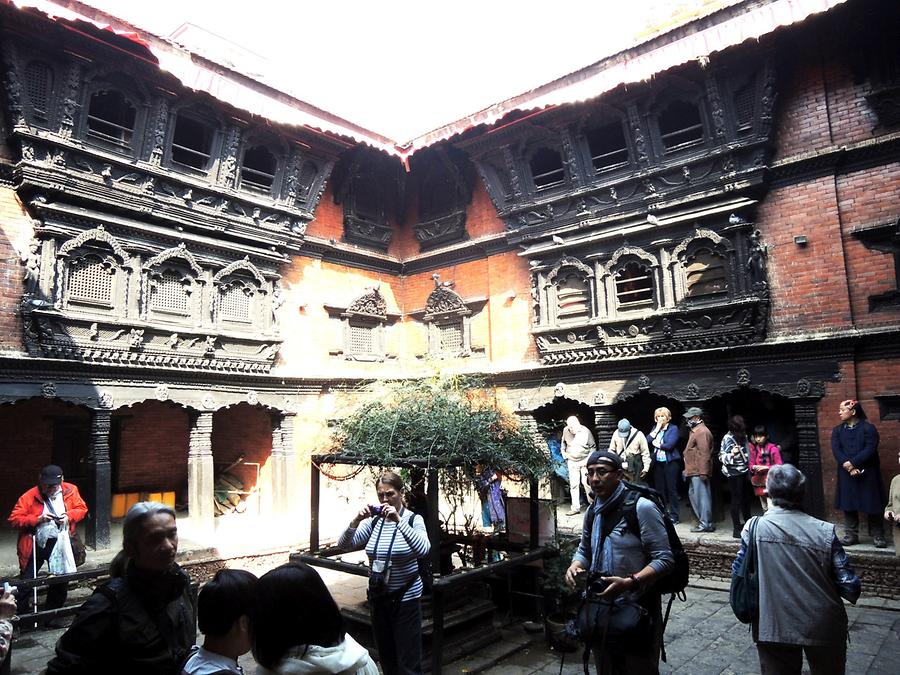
<point x="394" y="538"/>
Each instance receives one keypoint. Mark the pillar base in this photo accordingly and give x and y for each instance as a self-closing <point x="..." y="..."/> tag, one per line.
<point x="201" y="483"/>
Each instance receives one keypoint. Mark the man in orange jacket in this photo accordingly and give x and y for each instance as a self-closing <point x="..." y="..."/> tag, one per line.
<point x="51" y="504"/>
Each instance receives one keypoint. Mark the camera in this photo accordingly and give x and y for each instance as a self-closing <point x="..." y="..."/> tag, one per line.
<point x="9" y="589"/>
<point x="376" y="509"/>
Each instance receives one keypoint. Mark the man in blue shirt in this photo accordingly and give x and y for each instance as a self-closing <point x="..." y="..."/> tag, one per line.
<point x="627" y="562"/>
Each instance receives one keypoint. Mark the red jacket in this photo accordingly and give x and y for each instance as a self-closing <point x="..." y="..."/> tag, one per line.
<point x="30" y="507"/>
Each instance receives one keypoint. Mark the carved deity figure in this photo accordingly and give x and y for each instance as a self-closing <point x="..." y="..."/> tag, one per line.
<point x="756" y="263"/>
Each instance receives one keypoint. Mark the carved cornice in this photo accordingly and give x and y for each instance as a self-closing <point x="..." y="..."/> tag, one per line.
<point x="244" y="264"/>
<point x="176" y="252"/>
<point x="96" y="234"/>
<point x="371" y="303"/>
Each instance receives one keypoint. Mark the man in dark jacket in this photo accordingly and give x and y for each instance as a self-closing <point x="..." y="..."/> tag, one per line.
<point x="40" y="514"/>
<point x="141" y="622"/>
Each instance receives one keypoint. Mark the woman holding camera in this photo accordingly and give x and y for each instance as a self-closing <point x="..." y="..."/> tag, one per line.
<point x="394" y="539"/>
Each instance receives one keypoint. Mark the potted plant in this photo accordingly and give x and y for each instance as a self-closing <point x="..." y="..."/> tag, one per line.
<point x="560" y="601"/>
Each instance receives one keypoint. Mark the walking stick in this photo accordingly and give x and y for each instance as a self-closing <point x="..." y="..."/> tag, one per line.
<point x="34" y="570"/>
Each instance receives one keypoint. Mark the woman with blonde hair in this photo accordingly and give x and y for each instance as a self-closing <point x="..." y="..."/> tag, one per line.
<point x="663" y="440"/>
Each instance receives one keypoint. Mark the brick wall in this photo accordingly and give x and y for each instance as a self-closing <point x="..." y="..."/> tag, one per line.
<point x="868" y="197"/>
<point x="16" y="232"/>
<point x="242" y="430"/>
<point x="153" y="448"/>
<point x="27" y="442"/>
<point x="862" y="380"/>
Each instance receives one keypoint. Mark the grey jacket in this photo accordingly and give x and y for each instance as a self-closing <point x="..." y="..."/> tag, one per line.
<point x="803" y="573"/>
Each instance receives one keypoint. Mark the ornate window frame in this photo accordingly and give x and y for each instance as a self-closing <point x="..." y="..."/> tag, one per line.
<point x="241" y="276"/>
<point x="446" y="309"/>
<point x="180" y="261"/>
<point x="569" y="264"/>
<point x="685" y="92"/>
<point x="557" y="184"/>
<point x="621" y="258"/>
<point x="703" y="239"/>
<point x="36" y="116"/>
<point x="108" y="83"/>
<point x="369" y="313"/>
<point x="598" y="124"/>
<point x="273" y="145"/>
<point x="201" y="114"/>
<point x="102" y="246"/>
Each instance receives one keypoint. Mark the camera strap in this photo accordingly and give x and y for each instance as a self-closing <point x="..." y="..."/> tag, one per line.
<point x="390" y="546"/>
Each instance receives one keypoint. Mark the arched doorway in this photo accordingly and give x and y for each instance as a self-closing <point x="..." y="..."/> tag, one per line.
<point x="551" y="418"/>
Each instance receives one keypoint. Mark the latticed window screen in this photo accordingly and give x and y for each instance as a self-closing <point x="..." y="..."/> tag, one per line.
<point x="362" y="339"/>
<point x="451" y="335"/>
<point x="743" y="105"/>
<point x="705" y="275"/>
<point x="634" y="285"/>
<point x="235" y="304"/>
<point x="573" y="298"/>
<point x="90" y="280"/>
<point x="38" y="86"/>
<point x="169" y="293"/>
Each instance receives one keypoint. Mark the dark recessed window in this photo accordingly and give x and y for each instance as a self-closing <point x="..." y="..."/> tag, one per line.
<point x="39" y="88"/>
<point x="743" y="106"/>
<point x="367" y="198"/>
<point x="705" y="275"/>
<point x="192" y="142"/>
<point x="547" y="169"/>
<point x="634" y="285"/>
<point x="607" y="145"/>
<point x="438" y="197"/>
<point x="111" y="118"/>
<point x="680" y="125"/>
<point x="258" y="169"/>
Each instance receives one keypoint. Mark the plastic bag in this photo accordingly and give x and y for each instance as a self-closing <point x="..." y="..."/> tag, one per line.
<point x="62" y="561"/>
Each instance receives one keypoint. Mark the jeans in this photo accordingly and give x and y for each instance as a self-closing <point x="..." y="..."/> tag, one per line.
<point x="398" y="635"/>
<point x="701" y="501"/>
<point x="665" y="479"/>
<point x="781" y="659"/>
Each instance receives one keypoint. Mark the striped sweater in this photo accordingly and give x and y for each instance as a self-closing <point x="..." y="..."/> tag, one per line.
<point x="410" y="544"/>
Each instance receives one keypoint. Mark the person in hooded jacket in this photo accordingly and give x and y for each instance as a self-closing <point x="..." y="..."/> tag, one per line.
<point x="297" y="628"/>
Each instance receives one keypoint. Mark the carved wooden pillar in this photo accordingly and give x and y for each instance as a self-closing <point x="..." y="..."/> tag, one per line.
<point x="99" y="488"/>
<point x="284" y="463"/>
<point x="201" y="479"/>
<point x="605" y="421"/>
<point x="810" y="456"/>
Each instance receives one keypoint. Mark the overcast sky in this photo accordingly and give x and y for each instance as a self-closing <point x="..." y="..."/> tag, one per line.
<point x="400" y="67"/>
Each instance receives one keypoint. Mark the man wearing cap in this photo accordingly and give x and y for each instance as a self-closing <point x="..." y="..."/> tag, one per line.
<point x="39" y="515"/>
<point x="577" y="444"/>
<point x="627" y="562"/>
<point x="698" y="468"/>
<point x="631" y="445"/>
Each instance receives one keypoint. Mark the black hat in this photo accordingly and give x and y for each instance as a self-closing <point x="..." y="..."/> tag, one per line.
<point x="598" y="456"/>
<point x="51" y="475"/>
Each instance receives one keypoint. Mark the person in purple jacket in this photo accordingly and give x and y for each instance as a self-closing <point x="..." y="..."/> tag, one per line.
<point x="663" y="442"/>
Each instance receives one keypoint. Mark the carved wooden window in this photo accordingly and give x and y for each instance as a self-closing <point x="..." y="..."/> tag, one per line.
<point x="258" y="169"/>
<point x="438" y="196"/>
<point x="680" y="125"/>
<point x="111" y="118"/>
<point x="170" y="292"/>
<point x="634" y="286"/>
<point x="39" y="89"/>
<point x="706" y="274"/>
<point x="573" y="297"/>
<point x="547" y="169"/>
<point x="607" y="146"/>
<point x="90" y="281"/>
<point x="192" y="142"/>
<point x="368" y="202"/>
<point x="744" y="102"/>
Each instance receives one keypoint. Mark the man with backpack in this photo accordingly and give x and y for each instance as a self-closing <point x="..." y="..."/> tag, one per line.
<point x="625" y="551"/>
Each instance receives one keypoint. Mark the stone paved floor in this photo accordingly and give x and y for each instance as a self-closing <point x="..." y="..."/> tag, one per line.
<point x="702" y="638"/>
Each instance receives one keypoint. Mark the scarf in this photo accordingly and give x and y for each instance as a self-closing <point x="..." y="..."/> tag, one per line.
<point x="601" y="556"/>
